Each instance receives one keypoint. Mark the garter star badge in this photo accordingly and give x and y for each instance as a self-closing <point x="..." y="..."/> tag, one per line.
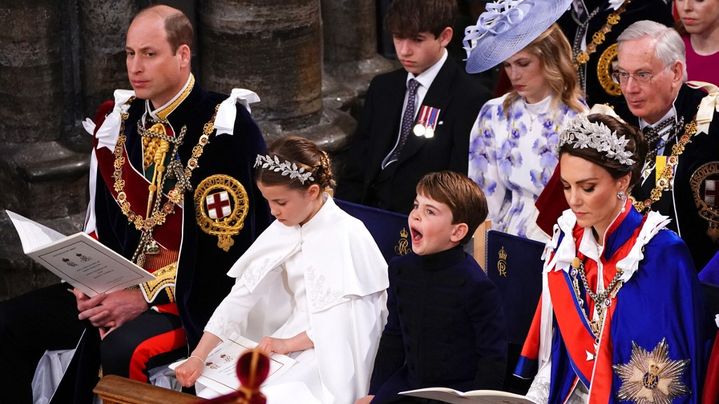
<point x="652" y="377"/>
<point x="221" y="205"/>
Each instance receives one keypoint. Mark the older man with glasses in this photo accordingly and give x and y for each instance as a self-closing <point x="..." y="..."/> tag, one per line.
<point x="681" y="171"/>
<point x="680" y="178"/>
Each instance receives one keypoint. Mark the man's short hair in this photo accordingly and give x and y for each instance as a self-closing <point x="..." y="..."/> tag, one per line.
<point x="465" y="199"/>
<point x="668" y="45"/>
<point x="177" y="26"/>
<point x="408" y="18"/>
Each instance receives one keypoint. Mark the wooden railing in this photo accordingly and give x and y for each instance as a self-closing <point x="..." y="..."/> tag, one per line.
<point x="119" y="390"/>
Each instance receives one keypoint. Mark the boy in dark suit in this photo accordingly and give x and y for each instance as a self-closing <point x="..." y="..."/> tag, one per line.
<point x="415" y="120"/>
<point x="445" y="326"/>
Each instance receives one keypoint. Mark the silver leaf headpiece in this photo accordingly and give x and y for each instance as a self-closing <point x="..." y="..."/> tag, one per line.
<point x="582" y="134"/>
<point x="286" y="168"/>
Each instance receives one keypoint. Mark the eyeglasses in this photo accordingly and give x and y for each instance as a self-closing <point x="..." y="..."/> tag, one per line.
<point x="642" y="77"/>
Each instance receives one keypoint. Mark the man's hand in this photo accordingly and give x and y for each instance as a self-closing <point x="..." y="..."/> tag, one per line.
<point x="111" y="310"/>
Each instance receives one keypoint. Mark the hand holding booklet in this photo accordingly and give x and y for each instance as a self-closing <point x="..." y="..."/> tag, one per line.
<point x="448" y="395"/>
<point x="220" y="372"/>
<point x="79" y="259"/>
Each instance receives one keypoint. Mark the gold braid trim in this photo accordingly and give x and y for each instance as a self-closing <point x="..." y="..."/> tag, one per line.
<point x="666" y="177"/>
<point x="164" y="280"/>
<point x="165" y="112"/>
<point x="600" y="36"/>
<point x="158" y="214"/>
<point x="604" y="71"/>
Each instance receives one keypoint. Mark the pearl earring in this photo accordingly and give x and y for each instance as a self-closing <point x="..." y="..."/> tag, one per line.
<point x="621" y="196"/>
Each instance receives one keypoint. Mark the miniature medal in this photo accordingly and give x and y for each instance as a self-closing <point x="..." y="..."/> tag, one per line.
<point x="427" y="120"/>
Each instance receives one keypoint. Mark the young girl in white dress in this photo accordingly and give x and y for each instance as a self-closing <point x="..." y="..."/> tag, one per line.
<point x="313" y="283"/>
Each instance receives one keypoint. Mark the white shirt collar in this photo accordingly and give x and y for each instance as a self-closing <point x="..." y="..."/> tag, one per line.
<point x="671" y="113"/>
<point x="427" y="77"/>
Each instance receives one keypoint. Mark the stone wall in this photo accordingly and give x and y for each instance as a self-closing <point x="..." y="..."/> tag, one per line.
<point x="60" y="59"/>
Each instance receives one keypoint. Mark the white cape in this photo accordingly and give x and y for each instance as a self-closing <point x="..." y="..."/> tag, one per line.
<point x="346" y="292"/>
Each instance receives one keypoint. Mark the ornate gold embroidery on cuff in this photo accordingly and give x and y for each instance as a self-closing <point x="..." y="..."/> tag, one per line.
<point x="164" y="280"/>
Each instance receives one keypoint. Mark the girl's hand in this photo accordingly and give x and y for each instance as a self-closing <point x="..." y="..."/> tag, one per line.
<point x="269" y="345"/>
<point x="299" y="342"/>
<point x="188" y="372"/>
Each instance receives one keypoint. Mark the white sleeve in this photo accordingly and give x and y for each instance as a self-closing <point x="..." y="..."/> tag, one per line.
<point x="539" y="390"/>
<point x="230" y="318"/>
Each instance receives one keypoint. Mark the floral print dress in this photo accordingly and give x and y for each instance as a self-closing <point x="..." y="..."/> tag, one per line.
<point x="512" y="157"/>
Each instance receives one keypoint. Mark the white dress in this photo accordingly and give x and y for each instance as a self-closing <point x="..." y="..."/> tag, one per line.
<point x="327" y="278"/>
<point x="512" y="158"/>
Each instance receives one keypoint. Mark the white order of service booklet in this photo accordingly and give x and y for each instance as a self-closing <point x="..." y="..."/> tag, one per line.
<point x="79" y="259"/>
<point x="220" y="373"/>
<point x="452" y="396"/>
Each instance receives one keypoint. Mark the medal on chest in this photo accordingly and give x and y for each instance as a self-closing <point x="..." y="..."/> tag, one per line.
<point x="427" y="121"/>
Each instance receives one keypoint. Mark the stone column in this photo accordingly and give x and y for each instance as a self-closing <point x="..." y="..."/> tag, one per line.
<point x="30" y="71"/>
<point x="350" y="43"/>
<point x="41" y="178"/>
<point x="103" y="25"/>
<point x="273" y="48"/>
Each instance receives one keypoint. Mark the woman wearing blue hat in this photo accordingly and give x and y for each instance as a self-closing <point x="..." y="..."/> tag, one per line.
<point x="512" y="151"/>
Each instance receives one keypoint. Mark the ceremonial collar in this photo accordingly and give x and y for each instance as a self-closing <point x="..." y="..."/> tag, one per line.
<point x="672" y="113"/>
<point x="564" y="248"/>
<point x="164" y="111"/>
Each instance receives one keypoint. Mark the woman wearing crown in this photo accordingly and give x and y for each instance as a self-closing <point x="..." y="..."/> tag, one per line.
<point x="619" y="317"/>
<point x="512" y="150"/>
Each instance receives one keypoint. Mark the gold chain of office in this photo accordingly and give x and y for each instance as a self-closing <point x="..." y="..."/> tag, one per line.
<point x="666" y="176"/>
<point x="175" y="196"/>
<point x="600" y="36"/>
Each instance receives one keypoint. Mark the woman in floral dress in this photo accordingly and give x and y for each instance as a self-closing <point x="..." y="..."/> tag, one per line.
<point x="512" y="150"/>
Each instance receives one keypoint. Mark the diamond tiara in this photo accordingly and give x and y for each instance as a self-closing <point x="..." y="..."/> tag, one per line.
<point x="286" y="168"/>
<point x="582" y="134"/>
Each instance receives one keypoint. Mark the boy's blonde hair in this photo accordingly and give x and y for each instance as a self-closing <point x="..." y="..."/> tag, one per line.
<point x="465" y="199"/>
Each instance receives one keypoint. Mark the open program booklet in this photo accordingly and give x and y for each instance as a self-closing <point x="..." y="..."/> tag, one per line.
<point x="220" y="373"/>
<point x="79" y="259"/>
<point x="475" y="396"/>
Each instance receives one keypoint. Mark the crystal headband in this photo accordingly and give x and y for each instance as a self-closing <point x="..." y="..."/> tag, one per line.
<point x="286" y="168"/>
<point x="582" y="134"/>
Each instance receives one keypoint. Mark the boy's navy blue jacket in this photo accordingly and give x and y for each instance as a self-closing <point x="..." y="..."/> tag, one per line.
<point x="445" y="327"/>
